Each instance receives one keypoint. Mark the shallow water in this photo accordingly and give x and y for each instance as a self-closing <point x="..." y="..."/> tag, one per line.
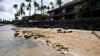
<point x="10" y="46"/>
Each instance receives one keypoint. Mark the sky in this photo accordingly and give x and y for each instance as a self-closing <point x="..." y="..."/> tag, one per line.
<point x="7" y="11"/>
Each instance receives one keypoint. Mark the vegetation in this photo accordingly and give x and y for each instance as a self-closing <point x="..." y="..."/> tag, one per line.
<point x="22" y="6"/>
<point x="5" y="21"/>
<point x="20" y="10"/>
<point x="52" y="5"/>
<point x="59" y="3"/>
<point x="36" y="7"/>
<point x="83" y="11"/>
<point x="42" y="10"/>
<point x="29" y="6"/>
<point x="16" y="6"/>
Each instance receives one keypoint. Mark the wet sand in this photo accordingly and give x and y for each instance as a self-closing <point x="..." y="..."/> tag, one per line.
<point x="78" y="43"/>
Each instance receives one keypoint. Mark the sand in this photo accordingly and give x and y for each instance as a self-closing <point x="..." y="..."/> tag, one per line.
<point x="78" y="43"/>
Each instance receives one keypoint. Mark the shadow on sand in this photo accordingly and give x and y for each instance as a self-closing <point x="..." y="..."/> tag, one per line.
<point x="98" y="36"/>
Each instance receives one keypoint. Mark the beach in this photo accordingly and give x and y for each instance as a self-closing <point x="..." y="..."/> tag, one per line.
<point x="76" y="43"/>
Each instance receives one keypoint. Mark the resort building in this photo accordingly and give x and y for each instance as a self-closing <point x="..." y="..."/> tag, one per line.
<point x="69" y="13"/>
<point x="71" y="10"/>
<point x="95" y="7"/>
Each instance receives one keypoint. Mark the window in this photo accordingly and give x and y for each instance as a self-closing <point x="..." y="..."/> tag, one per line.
<point x="96" y="4"/>
<point x="63" y="18"/>
<point x="63" y="11"/>
<point x="52" y="14"/>
<point x="52" y="19"/>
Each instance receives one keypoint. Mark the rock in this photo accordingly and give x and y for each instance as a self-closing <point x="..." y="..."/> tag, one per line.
<point x="13" y="28"/>
<point x="59" y="31"/>
<point x="48" y="42"/>
<point x="67" y="31"/>
<point x="39" y="35"/>
<point x="27" y="37"/>
<point x="19" y="36"/>
<point x="65" y="48"/>
<point x="58" y="49"/>
<point x="35" y="37"/>
<point x="16" y="34"/>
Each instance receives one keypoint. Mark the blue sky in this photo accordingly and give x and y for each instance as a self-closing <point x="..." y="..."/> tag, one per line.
<point x="7" y="11"/>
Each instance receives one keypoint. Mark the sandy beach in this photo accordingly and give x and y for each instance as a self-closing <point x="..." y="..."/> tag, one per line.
<point x="77" y="43"/>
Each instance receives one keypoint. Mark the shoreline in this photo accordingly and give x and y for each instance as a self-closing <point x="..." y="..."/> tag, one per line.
<point x="77" y="43"/>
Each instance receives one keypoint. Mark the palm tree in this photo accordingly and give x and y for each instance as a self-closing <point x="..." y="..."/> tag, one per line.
<point x="22" y="12"/>
<point x="42" y="10"/>
<point x="59" y="3"/>
<point x="16" y="14"/>
<point x="22" y="5"/>
<point x="52" y="5"/>
<point x="48" y="8"/>
<point x="36" y="6"/>
<point x="15" y="6"/>
<point x="29" y="6"/>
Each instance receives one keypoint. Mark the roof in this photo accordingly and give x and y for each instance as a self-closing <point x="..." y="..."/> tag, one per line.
<point x="72" y="3"/>
<point x="75" y="2"/>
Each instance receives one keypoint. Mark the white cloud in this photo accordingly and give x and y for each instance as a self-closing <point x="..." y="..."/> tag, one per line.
<point x="6" y="15"/>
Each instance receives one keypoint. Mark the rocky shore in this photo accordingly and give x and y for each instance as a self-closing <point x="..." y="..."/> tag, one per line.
<point x="70" y="42"/>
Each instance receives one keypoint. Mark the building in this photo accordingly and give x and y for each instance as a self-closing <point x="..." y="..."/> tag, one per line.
<point x="36" y="20"/>
<point x="68" y="11"/>
<point x="68" y="14"/>
<point x="65" y="15"/>
<point x="95" y="7"/>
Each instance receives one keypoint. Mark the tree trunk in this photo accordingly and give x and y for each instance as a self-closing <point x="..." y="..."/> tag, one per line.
<point x="30" y="9"/>
<point x="34" y="7"/>
<point x="60" y="9"/>
<point x="42" y="10"/>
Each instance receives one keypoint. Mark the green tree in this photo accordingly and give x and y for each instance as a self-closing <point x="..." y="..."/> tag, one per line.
<point x="36" y="6"/>
<point x="52" y="5"/>
<point x="29" y="6"/>
<point x="22" y="12"/>
<point x="16" y="14"/>
<point x="15" y="6"/>
<point x="59" y="3"/>
<point x="48" y="8"/>
<point x="42" y="10"/>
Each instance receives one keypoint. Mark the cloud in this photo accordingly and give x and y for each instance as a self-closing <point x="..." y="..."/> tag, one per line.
<point x="6" y="8"/>
<point x="6" y="15"/>
<point x="1" y="0"/>
<point x="7" y="11"/>
<point x="2" y="9"/>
